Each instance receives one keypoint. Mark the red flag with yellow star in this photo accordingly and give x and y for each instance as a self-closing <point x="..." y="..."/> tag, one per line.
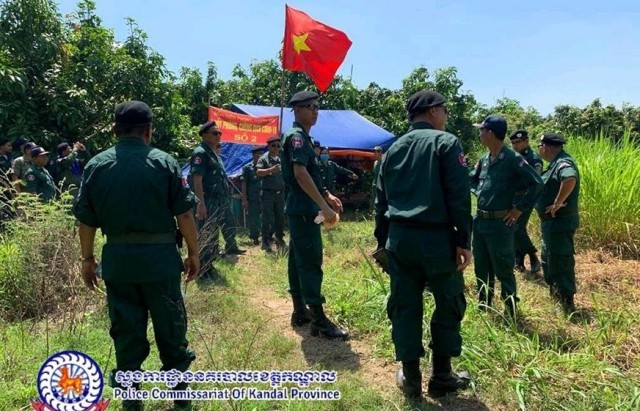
<point x="313" y="47"/>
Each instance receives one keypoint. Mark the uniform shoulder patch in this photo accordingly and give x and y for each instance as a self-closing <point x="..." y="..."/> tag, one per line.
<point x="197" y="160"/>
<point x="31" y="177"/>
<point x="522" y="163"/>
<point x="462" y="159"/>
<point x="297" y="142"/>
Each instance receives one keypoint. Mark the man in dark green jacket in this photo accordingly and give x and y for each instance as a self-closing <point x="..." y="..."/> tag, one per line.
<point x="37" y="178"/>
<point x="270" y="171"/>
<point x="559" y="219"/>
<point x="134" y="194"/>
<point x="522" y="242"/>
<point x="307" y="197"/>
<point x="251" y="187"/>
<point x="497" y="177"/>
<point x="330" y="170"/>
<point x="423" y="220"/>
<point x="69" y="166"/>
<point x="209" y="182"/>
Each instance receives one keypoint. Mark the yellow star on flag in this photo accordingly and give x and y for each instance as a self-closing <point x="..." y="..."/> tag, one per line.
<point x="299" y="43"/>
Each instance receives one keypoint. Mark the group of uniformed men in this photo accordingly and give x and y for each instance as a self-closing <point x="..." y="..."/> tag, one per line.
<point x="423" y="222"/>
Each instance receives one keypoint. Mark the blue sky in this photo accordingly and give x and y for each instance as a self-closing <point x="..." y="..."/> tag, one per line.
<point x="542" y="53"/>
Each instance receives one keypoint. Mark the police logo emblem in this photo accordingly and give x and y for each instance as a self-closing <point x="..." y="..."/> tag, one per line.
<point x="296" y="142"/>
<point x="462" y="160"/>
<point x="70" y="381"/>
<point x="197" y="160"/>
<point x="31" y="177"/>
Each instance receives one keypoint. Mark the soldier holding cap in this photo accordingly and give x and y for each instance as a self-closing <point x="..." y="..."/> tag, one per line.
<point x="210" y="184"/>
<point x="330" y="170"/>
<point x="496" y="178"/>
<point x="424" y="223"/>
<point x="270" y="171"/>
<point x="69" y="166"/>
<point x="134" y="194"/>
<point x="559" y="219"/>
<point x="38" y="180"/>
<point x="301" y="172"/>
<point x="522" y="242"/>
<point x="251" y="186"/>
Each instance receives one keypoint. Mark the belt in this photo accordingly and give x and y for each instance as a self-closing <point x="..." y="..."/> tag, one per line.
<point x="492" y="215"/>
<point x="142" y="238"/>
<point x="272" y="190"/>
<point x="421" y="224"/>
<point x="560" y="213"/>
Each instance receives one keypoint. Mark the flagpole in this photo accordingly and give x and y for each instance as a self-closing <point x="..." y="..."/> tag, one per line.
<point x="282" y="99"/>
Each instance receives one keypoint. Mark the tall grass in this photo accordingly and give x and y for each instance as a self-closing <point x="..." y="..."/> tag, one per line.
<point x="610" y="189"/>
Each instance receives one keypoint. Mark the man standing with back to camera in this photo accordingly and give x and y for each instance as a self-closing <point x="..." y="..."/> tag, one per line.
<point x="134" y="194"/>
<point x="423" y="220"/>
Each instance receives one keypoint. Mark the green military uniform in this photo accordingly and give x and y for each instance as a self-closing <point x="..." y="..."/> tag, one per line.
<point x="254" y="184"/>
<point x="558" y="264"/>
<point x="305" y="247"/>
<point x="5" y="164"/>
<point x="69" y="171"/>
<point x="39" y="181"/>
<point x="215" y="185"/>
<point x="329" y="171"/>
<point x="493" y="182"/>
<point x="423" y="211"/>
<point x="132" y="192"/>
<point x="522" y="242"/>
<point x="20" y="167"/>
<point x="272" y="199"/>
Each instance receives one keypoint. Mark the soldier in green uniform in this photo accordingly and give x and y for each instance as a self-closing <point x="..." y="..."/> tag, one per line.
<point x="210" y="184"/>
<point x="38" y="180"/>
<point x="21" y="164"/>
<point x="497" y="177"/>
<point x="559" y="219"/>
<point x="522" y="242"/>
<point x="251" y="186"/>
<point x="270" y="171"/>
<point x="5" y="156"/>
<point x="317" y="147"/>
<point x="69" y="166"/>
<point x="423" y="220"/>
<point x="300" y="170"/>
<point x="377" y="157"/>
<point x="134" y="194"/>
<point x="330" y="170"/>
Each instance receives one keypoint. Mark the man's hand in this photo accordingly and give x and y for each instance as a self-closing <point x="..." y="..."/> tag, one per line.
<point x="245" y="204"/>
<point x="334" y="202"/>
<point x="89" y="275"/>
<point x="191" y="267"/>
<point x="463" y="258"/>
<point x="329" y="215"/>
<point x="201" y="211"/>
<point x="553" y="208"/>
<point x="512" y="216"/>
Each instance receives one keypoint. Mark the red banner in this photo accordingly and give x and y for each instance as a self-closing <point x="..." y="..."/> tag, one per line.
<point x="243" y="129"/>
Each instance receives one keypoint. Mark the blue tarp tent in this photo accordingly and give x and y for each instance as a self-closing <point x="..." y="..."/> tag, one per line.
<point x="337" y="129"/>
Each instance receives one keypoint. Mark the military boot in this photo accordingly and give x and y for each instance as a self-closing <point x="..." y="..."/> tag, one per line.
<point x="323" y="327"/>
<point x="409" y="379"/>
<point x="535" y="263"/>
<point x="443" y="380"/>
<point x="266" y="246"/>
<point x="301" y="314"/>
<point x="484" y="300"/>
<point x="568" y="305"/>
<point x="511" y="307"/>
<point x="519" y="264"/>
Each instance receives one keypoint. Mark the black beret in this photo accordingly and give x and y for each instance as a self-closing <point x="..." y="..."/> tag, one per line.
<point x="37" y="151"/>
<point x="19" y="142"/>
<point x="519" y="134"/>
<point x="497" y="124"/>
<point x="133" y="113"/>
<point x="273" y="139"/>
<point x="424" y="99"/>
<point x="552" y="139"/>
<point x="3" y="141"/>
<point x="62" y="147"/>
<point x="206" y="126"/>
<point x="302" y="96"/>
<point x="257" y="148"/>
<point x="316" y="143"/>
